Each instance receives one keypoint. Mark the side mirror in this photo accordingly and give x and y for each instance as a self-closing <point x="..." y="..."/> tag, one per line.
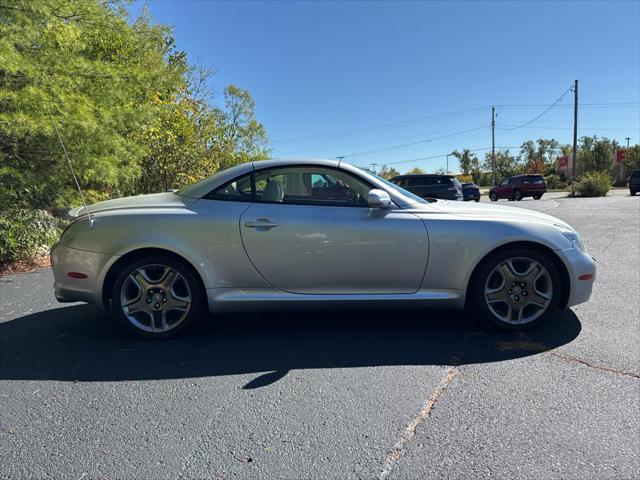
<point x="378" y="198"/>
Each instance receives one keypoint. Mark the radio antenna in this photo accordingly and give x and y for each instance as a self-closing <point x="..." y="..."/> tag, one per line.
<point x="75" y="179"/>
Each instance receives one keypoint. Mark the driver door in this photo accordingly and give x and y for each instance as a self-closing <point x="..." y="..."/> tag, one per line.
<point x="310" y="230"/>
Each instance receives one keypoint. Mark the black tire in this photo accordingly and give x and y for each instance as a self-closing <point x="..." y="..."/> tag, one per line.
<point x="493" y="196"/>
<point x="195" y="310"/>
<point x="517" y="195"/>
<point x="477" y="304"/>
<point x="476" y="199"/>
<point x="633" y="193"/>
<point x="537" y="197"/>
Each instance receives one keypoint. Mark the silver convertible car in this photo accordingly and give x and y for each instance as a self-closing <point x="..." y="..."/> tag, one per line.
<point x="285" y="233"/>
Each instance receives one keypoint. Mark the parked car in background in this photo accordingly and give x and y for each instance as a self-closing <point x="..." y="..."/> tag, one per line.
<point x="470" y="191"/>
<point x="634" y="182"/>
<point x="519" y="187"/>
<point x="446" y="187"/>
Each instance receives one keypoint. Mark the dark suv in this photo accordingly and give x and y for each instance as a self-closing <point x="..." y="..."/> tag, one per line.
<point x="446" y="187"/>
<point x="634" y="182"/>
<point x="519" y="187"/>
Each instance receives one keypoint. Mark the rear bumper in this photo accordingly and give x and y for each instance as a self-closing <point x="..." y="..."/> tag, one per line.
<point x="471" y="195"/>
<point x="93" y="264"/>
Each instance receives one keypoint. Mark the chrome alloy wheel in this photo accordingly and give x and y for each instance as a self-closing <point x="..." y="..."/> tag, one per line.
<point x="518" y="290"/>
<point x="155" y="298"/>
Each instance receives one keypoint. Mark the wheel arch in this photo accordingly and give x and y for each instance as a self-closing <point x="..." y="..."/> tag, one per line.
<point x="114" y="270"/>
<point x="565" y="283"/>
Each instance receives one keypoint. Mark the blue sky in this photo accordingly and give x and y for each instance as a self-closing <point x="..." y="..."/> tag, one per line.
<point x="390" y="82"/>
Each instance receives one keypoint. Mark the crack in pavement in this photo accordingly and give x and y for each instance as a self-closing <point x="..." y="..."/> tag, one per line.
<point x="410" y="431"/>
<point x="604" y="368"/>
<point x="526" y="344"/>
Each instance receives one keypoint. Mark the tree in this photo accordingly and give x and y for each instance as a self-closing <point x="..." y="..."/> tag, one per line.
<point x="239" y="138"/>
<point x="506" y="164"/>
<point x="81" y="66"/>
<point x="388" y="172"/>
<point x="190" y="139"/>
<point x="632" y="158"/>
<point x="415" y="171"/>
<point x="133" y="113"/>
<point x="538" y="157"/>
<point x="595" y="154"/>
<point x="469" y="163"/>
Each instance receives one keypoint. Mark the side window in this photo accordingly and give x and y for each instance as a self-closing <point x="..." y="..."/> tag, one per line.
<point x="415" y="181"/>
<point x="238" y="190"/>
<point x="310" y="185"/>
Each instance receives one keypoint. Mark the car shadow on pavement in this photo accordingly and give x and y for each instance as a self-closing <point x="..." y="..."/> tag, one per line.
<point x="82" y="343"/>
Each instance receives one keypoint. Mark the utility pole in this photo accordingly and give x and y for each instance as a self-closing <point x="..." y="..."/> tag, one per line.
<point x="373" y="167"/>
<point x="574" y="153"/>
<point x="493" y="146"/>
<point x="627" y="139"/>
<point x="448" y="155"/>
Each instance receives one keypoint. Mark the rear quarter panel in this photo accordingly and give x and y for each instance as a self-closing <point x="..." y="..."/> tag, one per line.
<point x="206" y="234"/>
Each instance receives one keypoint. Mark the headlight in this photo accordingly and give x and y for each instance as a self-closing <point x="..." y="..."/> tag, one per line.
<point x="575" y="239"/>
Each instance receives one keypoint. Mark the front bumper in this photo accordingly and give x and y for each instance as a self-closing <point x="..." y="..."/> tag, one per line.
<point x="578" y="264"/>
<point x="93" y="264"/>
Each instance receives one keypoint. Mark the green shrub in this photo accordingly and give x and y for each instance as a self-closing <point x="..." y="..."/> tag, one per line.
<point x="555" y="182"/>
<point x="25" y="233"/>
<point x="593" y="184"/>
<point x="552" y="181"/>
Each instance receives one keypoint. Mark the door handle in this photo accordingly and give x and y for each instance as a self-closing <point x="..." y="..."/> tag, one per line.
<point x="261" y="223"/>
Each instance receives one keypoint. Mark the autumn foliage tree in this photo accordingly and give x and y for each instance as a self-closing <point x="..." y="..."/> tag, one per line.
<point x="130" y="108"/>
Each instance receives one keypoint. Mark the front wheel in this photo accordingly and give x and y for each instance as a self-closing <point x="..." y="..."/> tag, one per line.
<point x="515" y="289"/>
<point x="517" y="195"/>
<point x="157" y="296"/>
<point x="537" y="197"/>
<point x="493" y="196"/>
<point x="476" y="199"/>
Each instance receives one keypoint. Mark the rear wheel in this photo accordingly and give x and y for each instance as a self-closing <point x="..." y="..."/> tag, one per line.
<point x="515" y="289"/>
<point x="537" y="197"/>
<point x="157" y="297"/>
<point x="493" y="196"/>
<point x="517" y="195"/>
<point x="633" y="192"/>
<point x="476" y="199"/>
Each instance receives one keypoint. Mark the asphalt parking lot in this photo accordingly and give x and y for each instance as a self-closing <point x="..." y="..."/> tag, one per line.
<point x="344" y="394"/>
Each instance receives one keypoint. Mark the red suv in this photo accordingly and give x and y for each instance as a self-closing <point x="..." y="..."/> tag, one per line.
<point x="518" y="187"/>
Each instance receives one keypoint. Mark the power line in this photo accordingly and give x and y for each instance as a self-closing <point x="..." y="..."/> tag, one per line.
<point x="537" y="105"/>
<point x="480" y="149"/>
<point x="542" y="113"/>
<point x="542" y="127"/>
<point x="342" y="133"/>
<point x="357" y="131"/>
<point x="420" y="142"/>
<point x="387" y="141"/>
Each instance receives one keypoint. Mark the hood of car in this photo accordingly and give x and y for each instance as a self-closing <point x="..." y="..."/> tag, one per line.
<point x="490" y="211"/>
<point x="153" y="200"/>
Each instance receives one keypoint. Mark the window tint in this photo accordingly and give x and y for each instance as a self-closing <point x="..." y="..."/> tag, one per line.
<point x="636" y="174"/>
<point x="535" y="178"/>
<point x="310" y="185"/>
<point x="238" y="190"/>
<point x="415" y="181"/>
